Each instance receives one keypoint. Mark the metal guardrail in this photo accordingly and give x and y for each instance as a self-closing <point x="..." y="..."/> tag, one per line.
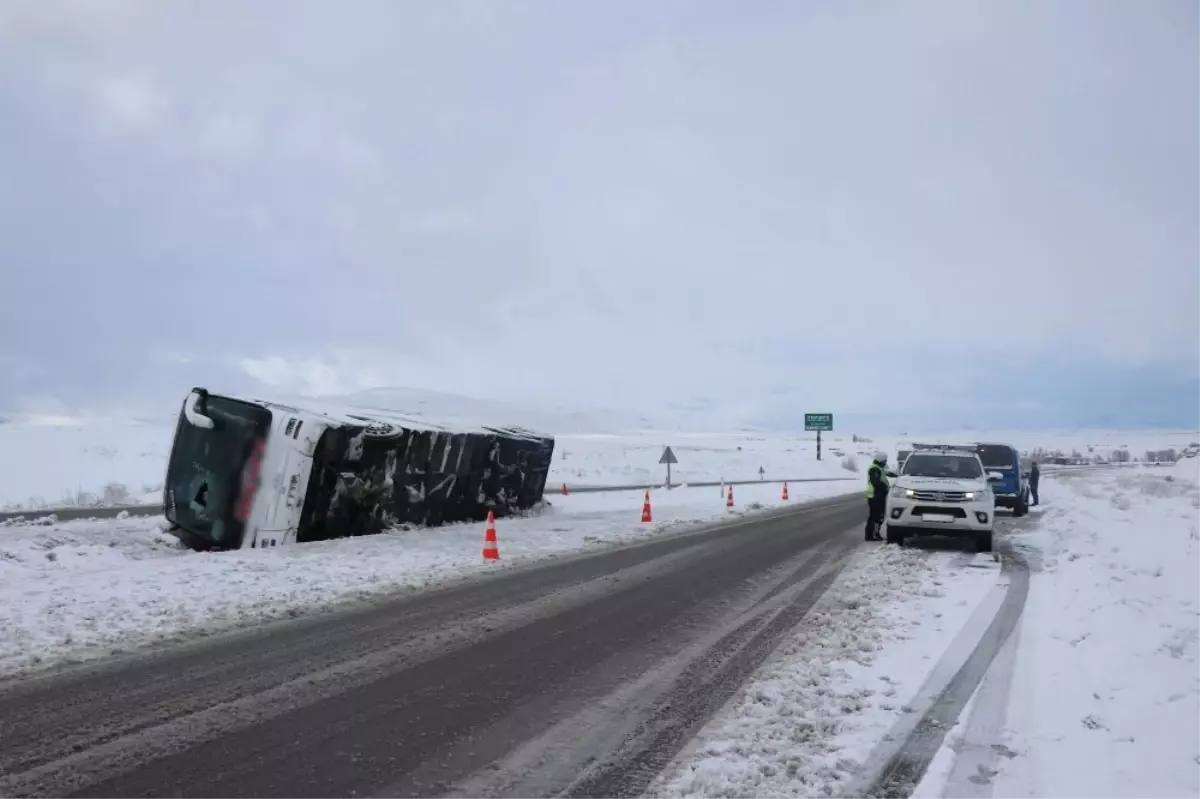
<point x="85" y="512"/>
<point x="1050" y="467"/>
<point x="113" y="511"/>
<point x="588" y="489"/>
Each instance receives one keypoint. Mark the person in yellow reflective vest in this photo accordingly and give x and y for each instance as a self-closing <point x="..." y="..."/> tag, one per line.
<point x="877" y="491"/>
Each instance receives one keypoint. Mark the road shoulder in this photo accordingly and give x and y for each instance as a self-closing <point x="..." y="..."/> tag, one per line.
<point x="812" y="716"/>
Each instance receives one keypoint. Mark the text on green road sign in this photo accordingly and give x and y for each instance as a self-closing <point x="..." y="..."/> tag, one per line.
<point x="818" y="421"/>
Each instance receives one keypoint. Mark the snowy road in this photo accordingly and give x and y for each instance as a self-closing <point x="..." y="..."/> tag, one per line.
<point x="645" y="669"/>
<point x="586" y="675"/>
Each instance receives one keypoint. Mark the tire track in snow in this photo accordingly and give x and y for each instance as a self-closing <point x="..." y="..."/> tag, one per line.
<point x="977" y="757"/>
<point x="898" y="764"/>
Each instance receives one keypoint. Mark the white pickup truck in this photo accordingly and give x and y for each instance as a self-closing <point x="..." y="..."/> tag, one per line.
<point x="942" y="491"/>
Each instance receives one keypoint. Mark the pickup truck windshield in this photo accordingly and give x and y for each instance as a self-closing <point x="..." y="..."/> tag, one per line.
<point x="951" y="466"/>
<point x="205" y="469"/>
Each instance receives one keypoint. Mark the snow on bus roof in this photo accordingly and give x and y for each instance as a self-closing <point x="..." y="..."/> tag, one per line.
<point x="417" y="420"/>
<point x="414" y="412"/>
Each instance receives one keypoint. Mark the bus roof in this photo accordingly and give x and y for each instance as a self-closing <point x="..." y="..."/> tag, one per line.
<point x="341" y="411"/>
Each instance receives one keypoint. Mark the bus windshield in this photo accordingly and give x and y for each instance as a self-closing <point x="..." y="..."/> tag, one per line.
<point x="204" y="473"/>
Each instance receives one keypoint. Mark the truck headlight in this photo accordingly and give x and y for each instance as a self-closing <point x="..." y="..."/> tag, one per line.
<point x="972" y="495"/>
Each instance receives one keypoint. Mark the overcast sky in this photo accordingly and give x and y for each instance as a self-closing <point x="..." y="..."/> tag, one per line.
<point x="936" y="210"/>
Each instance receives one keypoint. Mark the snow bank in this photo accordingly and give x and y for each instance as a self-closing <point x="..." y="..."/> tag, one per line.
<point x="1104" y="697"/>
<point x="79" y="590"/>
<point x="1187" y="470"/>
<point x="806" y="720"/>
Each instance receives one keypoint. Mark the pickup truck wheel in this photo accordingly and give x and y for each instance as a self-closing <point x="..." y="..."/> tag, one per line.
<point x="1021" y="508"/>
<point x="895" y="535"/>
<point x="983" y="542"/>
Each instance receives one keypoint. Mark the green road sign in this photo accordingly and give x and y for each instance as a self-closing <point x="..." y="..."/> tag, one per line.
<point x="818" y="421"/>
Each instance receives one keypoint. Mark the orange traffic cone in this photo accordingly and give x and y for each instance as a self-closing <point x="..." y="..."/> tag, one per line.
<point x="729" y="500"/>
<point x="565" y="491"/>
<point x="647" y="517"/>
<point x="785" y="494"/>
<point x="490" y="550"/>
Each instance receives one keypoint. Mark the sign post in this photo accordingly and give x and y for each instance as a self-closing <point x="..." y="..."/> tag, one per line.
<point x="668" y="457"/>
<point x="818" y="422"/>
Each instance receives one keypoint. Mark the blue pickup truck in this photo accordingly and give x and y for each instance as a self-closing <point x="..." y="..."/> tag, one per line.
<point x="1013" y="492"/>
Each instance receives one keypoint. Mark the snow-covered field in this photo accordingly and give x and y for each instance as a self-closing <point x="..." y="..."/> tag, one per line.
<point x="79" y="590"/>
<point x="1099" y="694"/>
<point x="60" y="462"/>
<point x="633" y="458"/>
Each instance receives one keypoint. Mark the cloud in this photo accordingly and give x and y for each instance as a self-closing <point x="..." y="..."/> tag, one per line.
<point x="229" y="134"/>
<point x="629" y="204"/>
<point x="130" y="101"/>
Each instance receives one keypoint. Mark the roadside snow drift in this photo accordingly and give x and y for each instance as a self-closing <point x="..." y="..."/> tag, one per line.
<point x="1187" y="470"/>
<point x="79" y="590"/>
<point x="1100" y="695"/>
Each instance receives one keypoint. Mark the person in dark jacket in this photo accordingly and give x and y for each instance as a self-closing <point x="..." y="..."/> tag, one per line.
<point x="877" y="491"/>
<point x="1035" y="474"/>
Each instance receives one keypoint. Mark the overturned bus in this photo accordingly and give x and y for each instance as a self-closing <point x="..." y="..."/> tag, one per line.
<point x="248" y="473"/>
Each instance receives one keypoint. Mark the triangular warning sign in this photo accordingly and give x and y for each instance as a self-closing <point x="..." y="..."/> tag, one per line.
<point x="668" y="456"/>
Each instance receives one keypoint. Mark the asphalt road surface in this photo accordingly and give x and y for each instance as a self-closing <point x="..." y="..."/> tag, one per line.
<point x="583" y="677"/>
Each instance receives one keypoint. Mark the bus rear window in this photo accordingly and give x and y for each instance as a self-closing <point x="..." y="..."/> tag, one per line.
<point x="206" y="492"/>
<point x="996" y="456"/>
